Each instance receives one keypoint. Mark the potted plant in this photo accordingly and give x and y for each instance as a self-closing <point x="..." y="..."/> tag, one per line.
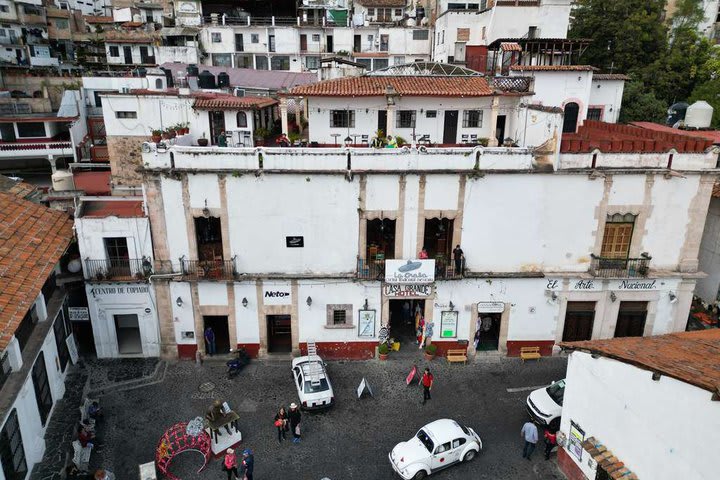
<point x="172" y="133"/>
<point x="203" y="142"/>
<point x="156" y="136"/>
<point x="383" y="351"/>
<point x="185" y="128"/>
<point x="430" y="351"/>
<point x="260" y="135"/>
<point x="165" y="134"/>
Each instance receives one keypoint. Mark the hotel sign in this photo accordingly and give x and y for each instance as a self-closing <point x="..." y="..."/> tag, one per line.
<point x="407" y="290"/>
<point x="410" y="271"/>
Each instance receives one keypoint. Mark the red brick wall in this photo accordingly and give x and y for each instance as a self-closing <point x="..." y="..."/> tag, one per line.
<point x="513" y="346"/>
<point x="186" y="352"/>
<point x="443" y="347"/>
<point x="568" y="466"/>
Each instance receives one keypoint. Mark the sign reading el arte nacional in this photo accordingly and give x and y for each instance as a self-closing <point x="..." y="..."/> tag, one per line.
<point x="634" y="284"/>
<point x="407" y="290"/>
<point x="410" y="271"/>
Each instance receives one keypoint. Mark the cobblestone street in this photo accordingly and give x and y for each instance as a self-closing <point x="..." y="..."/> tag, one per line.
<point x="352" y="440"/>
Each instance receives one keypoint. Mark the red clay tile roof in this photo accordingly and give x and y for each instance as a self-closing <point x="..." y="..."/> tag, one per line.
<point x="112" y="208"/>
<point x="610" y="76"/>
<point x="691" y="357"/>
<point x="32" y="240"/>
<point x="716" y="190"/>
<point x="375" y="86"/>
<point x="553" y="68"/>
<point x="97" y="19"/>
<point x="231" y="102"/>
<point x="510" y="47"/>
<point x="713" y="135"/>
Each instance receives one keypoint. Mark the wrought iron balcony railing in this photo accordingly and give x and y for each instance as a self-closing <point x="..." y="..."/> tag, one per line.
<point x="209" y="269"/>
<point x="374" y="269"/>
<point x="620" y="267"/>
<point x="118" y="269"/>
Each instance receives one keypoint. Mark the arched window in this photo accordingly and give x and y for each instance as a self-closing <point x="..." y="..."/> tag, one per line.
<point x="241" y="120"/>
<point x="158" y="83"/>
<point x="572" y="111"/>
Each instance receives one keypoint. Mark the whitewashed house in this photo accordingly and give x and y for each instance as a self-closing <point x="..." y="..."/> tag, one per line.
<point x="641" y="408"/>
<point x="277" y="247"/>
<point x="34" y="325"/>
<point x="116" y="251"/>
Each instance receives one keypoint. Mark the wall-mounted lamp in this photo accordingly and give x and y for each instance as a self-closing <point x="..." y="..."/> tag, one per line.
<point x="656" y="376"/>
<point x="244" y="302"/>
<point x="554" y="296"/>
<point x="179" y="302"/>
<point x="206" y="210"/>
<point x="673" y="297"/>
<point x="452" y="307"/>
<point x="613" y="297"/>
<point x="348" y="141"/>
<point x="309" y="301"/>
<point x="365" y="305"/>
<point x="367" y="110"/>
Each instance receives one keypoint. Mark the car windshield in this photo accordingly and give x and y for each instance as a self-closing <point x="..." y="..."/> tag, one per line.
<point x="557" y="391"/>
<point x="320" y="386"/>
<point x="425" y="439"/>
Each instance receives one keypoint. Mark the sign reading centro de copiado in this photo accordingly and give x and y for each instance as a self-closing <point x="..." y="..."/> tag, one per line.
<point x="410" y="271"/>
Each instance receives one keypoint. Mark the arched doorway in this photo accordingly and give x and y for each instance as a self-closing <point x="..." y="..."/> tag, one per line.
<point x="572" y="110"/>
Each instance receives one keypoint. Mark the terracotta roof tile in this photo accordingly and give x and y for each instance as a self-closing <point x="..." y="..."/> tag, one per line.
<point x="112" y="208"/>
<point x="32" y="240"/>
<point x="510" y="47"/>
<point x="375" y="86"/>
<point x="690" y="357"/>
<point x="553" y="68"/>
<point x="610" y="76"/>
<point x="231" y="102"/>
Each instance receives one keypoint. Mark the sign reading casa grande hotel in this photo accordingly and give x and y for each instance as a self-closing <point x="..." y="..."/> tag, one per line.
<point x="409" y="271"/>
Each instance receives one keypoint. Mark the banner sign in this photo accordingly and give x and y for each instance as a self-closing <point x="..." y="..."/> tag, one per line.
<point x="410" y="271"/>
<point x="407" y="290"/>
<point x="79" y="314"/>
<point x="277" y="295"/>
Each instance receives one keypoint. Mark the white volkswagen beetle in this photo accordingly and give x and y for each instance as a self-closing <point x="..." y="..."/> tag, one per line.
<point x="435" y="446"/>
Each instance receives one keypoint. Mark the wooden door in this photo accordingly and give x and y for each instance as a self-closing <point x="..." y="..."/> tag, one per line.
<point x="450" y="128"/>
<point x="303" y="43"/>
<point x="579" y="318"/>
<point x="616" y="240"/>
<point x="631" y="319"/>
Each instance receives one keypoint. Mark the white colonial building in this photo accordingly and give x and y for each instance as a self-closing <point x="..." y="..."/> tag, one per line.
<point x="276" y="247"/>
<point x="641" y="408"/>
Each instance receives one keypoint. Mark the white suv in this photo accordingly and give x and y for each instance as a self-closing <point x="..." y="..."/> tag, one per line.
<point x="312" y="383"/>
<point x="545" y="405"/>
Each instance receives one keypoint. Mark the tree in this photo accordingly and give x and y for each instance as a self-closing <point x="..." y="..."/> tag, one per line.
<point x="626" y="35"/>
<point x="709" y="90"/>
<point x="640" y="104"/>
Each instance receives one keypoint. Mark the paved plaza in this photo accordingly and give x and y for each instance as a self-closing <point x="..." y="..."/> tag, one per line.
<point x="351" y="441"/>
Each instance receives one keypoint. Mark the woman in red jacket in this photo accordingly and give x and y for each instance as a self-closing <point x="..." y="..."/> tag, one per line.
<point x="550" y="442"/>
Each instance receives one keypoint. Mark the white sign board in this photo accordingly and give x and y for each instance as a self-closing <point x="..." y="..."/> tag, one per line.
<point x="72" y="348"/>
<point x="277" y="295"/>
<point x="79" y="314"/>
<point x="410" y="271"/>
<point x="490" y="307"/>
<point x="364" y="386"/>
<point x="407" y="290"/>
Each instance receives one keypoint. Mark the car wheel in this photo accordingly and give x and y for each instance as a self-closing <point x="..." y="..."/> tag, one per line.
<point x="469" y="455"/>
<point x="420" y="475"/>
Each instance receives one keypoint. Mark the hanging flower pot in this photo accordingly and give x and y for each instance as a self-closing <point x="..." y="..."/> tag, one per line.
<point x="203" y="142"/>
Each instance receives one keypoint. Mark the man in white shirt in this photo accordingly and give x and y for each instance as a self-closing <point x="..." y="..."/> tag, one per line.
<point x="529" y="433"/>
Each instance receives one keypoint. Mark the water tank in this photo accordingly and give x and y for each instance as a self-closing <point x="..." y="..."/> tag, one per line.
<point x="223" y="80"/>
<point x="699" y="115"/>
<point x="676" y="112"/>
<point x="62" y="181"/>
<point x="192" y="70"/>
<point x="206" y="79"/>
<point x="419" y="14"/>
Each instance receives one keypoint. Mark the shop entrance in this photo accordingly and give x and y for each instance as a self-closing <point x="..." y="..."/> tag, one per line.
<point x="631" y="319"/>
<point x="219" y="324"/>
<point x="579" y="319"/>
<point x="127" y="332"/>
<point x="487" y="331"/>
<point x="402" y="321"/>
<point x="279" y="334"/>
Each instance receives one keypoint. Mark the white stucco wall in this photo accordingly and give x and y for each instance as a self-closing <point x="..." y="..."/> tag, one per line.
<point x="557" y="88"/>
<point x="91" y="233"/>
<point x="153" y="112"/>
<point x="108" y="299"/>
<point x="640" y="420"/>
<point x="707" y="288"/>
<point x="607" y="94"/>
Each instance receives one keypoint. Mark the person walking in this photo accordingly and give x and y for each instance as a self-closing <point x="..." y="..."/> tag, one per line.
<point x="529" y="433"/>
<point x="427" y="382"/>
<point x="550" y="442"/>
<point x="458" y="256"/>
<point x="294" y="417"/>
<point x="248" y="463"/>
<point x="230" y="465"/>
<point x="281" y="422"/>
<point x="210" y="341"/>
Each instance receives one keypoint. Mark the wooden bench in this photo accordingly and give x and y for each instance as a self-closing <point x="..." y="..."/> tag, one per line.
<point x="457" y="355"/>
<point x="530" y="353"/>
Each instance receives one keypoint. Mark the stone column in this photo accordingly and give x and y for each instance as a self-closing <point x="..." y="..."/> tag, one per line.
<point x="492" y="141"/>
<point x="390" y="120"/>
<point x="284" y="115"/>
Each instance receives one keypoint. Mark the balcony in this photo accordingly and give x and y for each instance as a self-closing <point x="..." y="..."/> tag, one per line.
<point x="35" y="149"/>
<point x="375" y="270"/>
<point x="209" y="269"/>
<point x="118" y="269"/>
<point x="517" y="3"/>
<point x="607" y="267"/>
